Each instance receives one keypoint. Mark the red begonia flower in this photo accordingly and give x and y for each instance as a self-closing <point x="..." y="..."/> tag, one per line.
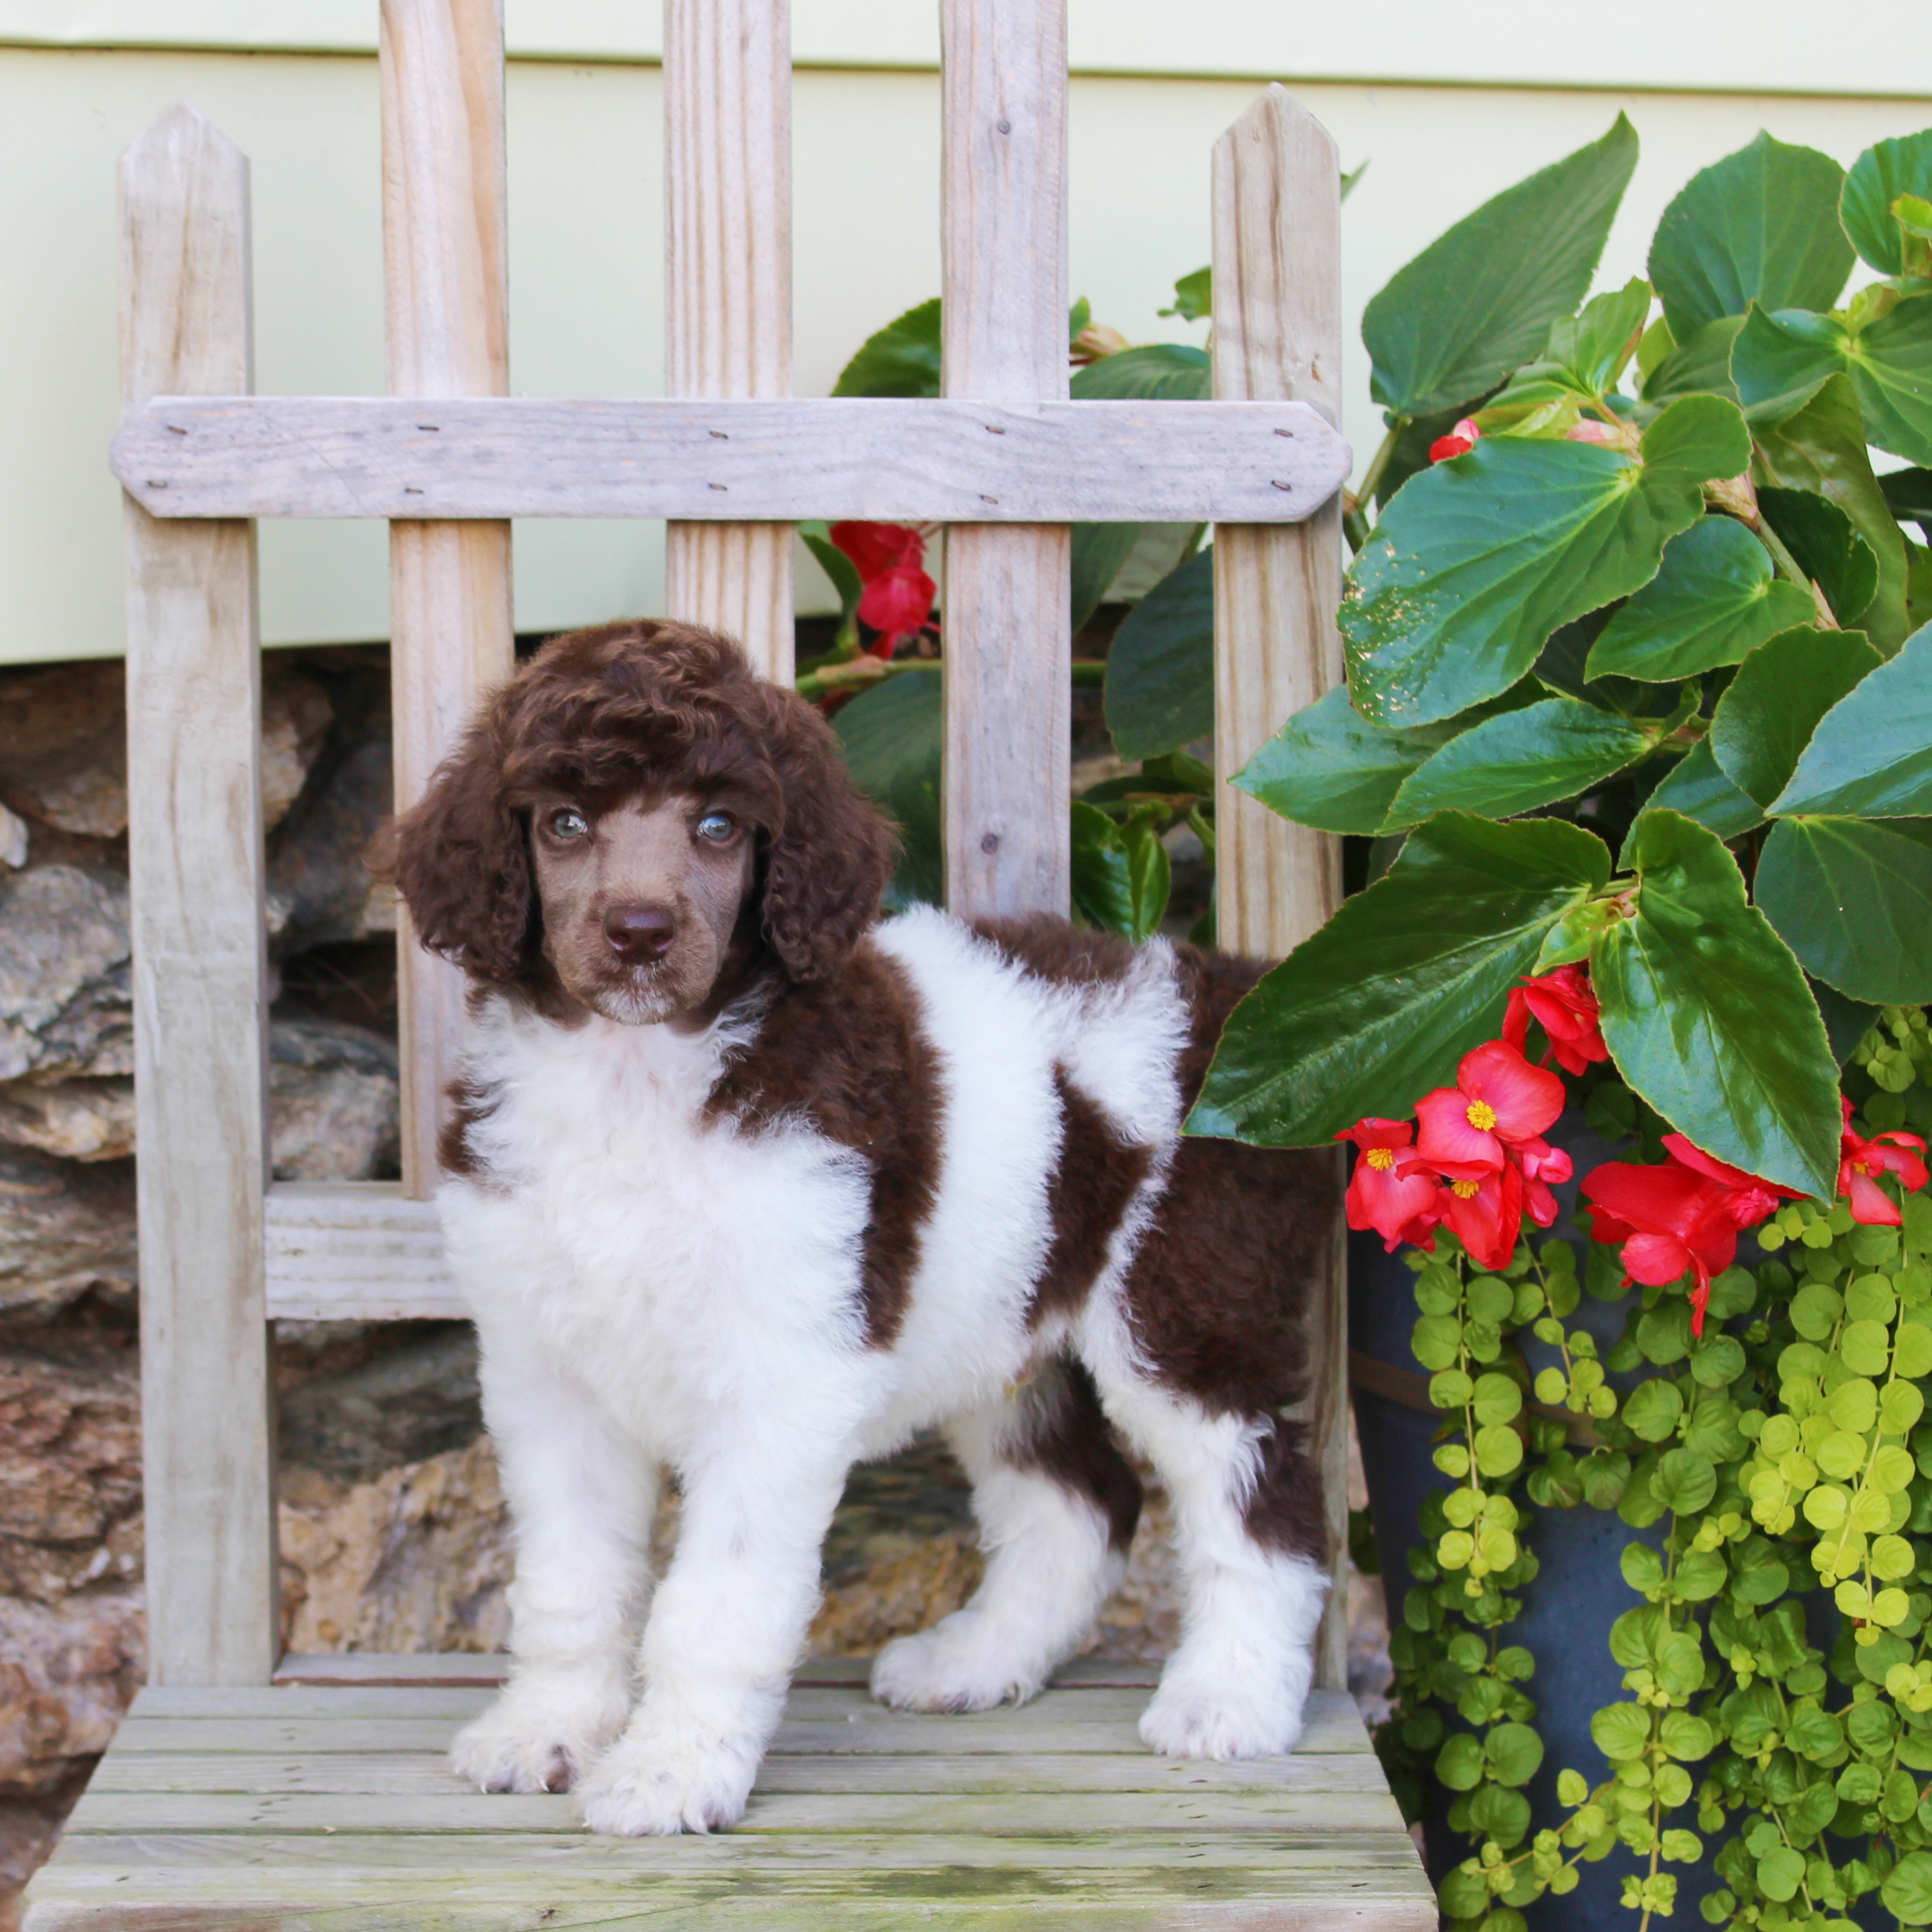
<point x="1498" y="1099"/>
<point x="1391" y="1189"/>
<point x="1460" y="440"/>
<point x="897" y="604"/>
<point x="1541" y="1164"/>
<point x="1860" y="1163"/>
<point x="1681" y="1217"/>
<point x="1563" y="1004"/>
<point x="875" y="548"/>
<point x="1588" y="430"/>
<point x="1486" y="1214"/>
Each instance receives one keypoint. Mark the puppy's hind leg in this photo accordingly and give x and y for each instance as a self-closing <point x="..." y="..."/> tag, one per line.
<point x="1057" y="1503"/>
<point x="1247" y="1505"/>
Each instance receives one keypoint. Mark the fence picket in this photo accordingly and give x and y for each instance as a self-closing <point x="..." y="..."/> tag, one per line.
<point x="445" y="279"/>
<point x="727" y="289"/>
<point x="1278" y="336"/>
<point x="194" y="836"/>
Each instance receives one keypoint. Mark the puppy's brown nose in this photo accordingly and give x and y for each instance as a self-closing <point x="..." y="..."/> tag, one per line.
<point x="640" y="932"/>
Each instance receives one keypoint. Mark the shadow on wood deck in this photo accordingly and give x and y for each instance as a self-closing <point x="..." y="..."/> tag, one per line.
<point x="323" y="1803"/>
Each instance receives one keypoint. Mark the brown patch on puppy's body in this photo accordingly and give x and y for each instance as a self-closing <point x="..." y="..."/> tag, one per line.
<point x="1093" y="1184"/>
<point x="1062" y="1432"/>
<point x="848" y="1054"/>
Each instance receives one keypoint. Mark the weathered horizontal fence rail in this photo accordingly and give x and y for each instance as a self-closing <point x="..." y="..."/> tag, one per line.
<point x="901" y="459"/>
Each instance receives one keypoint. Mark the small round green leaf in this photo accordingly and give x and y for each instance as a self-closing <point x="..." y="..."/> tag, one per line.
<point x="1515" y="1752"/>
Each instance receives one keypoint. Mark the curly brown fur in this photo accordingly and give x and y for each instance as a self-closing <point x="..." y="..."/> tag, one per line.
<point x="613" y="713"/>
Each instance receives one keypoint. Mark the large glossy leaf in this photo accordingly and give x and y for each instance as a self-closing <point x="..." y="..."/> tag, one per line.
<point x="1871" y="756"/>
<point x="1699" y="789"/>
<point x="1760" y="226"/>
<point x="902" y="359"/>
<point x="1781" y="361"/>
<point x="1478" y="560"/>
<point x="1380" y="1004"/>
<point x="1099" y="550"/>
<point x="1716" y="598"/>
<point x="1160" y="666"/>
<point x="1822" y="447"/>
<point x="1852" y="898"/>
<point x="1707" y="1015"/>
<point x="1826" y="546"/>
<point x="1763" y="721"/>
<point x="892" y="736"/>
<point x="1908" y="494"/>
<point x="1519" y="760"/>
<point x="1479" y="301"/>
<point x="1884" y="172"/>
<point x="1329" y="767"/>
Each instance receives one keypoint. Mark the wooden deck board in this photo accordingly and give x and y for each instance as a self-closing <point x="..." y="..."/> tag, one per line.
<point x="319" y="1807"/>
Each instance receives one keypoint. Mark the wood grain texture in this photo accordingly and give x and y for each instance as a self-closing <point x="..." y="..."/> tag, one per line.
<point x="1009" y="641"/>
<point x="356" y="1251"/>
<point x="904" y="460"/>
<point x="200" y="969"/>
<point x="727" y="289"/>
<point x="445" y="287"/>
<point x="1278" y="335"/>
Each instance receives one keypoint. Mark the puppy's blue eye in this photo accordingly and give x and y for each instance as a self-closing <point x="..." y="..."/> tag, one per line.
<point x="568" y="823"/>
<point x="716" y="826"/>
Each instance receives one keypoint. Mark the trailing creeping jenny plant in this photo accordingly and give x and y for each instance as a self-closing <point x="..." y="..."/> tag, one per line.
<point x="1635" y="749"/>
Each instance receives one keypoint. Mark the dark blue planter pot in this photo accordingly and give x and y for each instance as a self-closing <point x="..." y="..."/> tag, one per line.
<point x="1578" y="1592"/>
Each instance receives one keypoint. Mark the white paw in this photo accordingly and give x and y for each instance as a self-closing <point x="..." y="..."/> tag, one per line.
<point x="960" y="1664"/>
<point x="542" y="1734"/>
<point x="662" y="1777"/>
<point x="1192" y="1720"/>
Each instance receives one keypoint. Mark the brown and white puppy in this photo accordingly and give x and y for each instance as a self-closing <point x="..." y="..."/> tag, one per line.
<point x="744" y="1184"/>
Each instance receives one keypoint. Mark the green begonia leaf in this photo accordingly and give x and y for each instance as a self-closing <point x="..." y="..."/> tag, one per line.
<point x="1763" y="721"/>
<point x="1884" y="172"/>
<point x="1329" y="767"/>
<point x="1378" y="1006"/>
<point x="1846" y="1021"/>
<point x="1760" y="226"/>
<point x="1194" y="293"/>
<point x="1120" y="873"/>
<point x="892" y="736"/>
<point x="1157" y="371"/>
<point x="1716" y="598"/>
<point x="1706" y="1014"/>
<point x="1479" y="301"/>
<point x="1477" y="561"/>
<point x="1908" y="494"/>
<point x="1907" y="1892"/>
<point x="902" y="359"/>
<point x="1871" y="756"/>
<point x="1822" y="542"/>
<point x="1519" y="760"/>
<point x="1781" y="361"/>
<point x="844" y="573"/>
<point x="1160" y="666"/>
<point x="1701" y="367"/>
<point x="1852" y="898"/>
<point x="1823" y="449"/>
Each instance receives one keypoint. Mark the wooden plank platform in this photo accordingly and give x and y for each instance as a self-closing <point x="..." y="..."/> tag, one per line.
<point x="322" y="1805"/>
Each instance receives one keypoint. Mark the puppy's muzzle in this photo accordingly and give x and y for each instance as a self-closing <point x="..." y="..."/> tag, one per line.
<point x="640" y="935"/>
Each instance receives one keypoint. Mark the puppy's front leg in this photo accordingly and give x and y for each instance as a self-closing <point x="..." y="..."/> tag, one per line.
<point x="582" y="1496"/>
<point x="725" y="1629"/>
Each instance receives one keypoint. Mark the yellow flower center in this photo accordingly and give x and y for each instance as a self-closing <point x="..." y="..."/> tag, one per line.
<point x="1381" y="1159"/>
<point x="1859" y="1167"/>
<point x="1468" y="1190"/>
<point x="1482" y="1115"/>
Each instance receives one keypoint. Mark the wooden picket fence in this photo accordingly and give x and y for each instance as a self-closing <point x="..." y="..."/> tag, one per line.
<point x="1007" y="463"/>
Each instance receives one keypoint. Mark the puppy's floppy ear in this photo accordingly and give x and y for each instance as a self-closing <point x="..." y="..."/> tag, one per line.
<point x="831" y="855"/>
<point x="460" y="860"/>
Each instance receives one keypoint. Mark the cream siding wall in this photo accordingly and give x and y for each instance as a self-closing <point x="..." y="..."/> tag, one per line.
<point x="1159" y="83"/>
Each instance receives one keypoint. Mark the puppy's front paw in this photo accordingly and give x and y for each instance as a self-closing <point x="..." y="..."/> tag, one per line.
<point x="542" y="1734"/>
<point x="661" y="1777"/>
<point x="961" y="1664"/>
<point x="1195" y="1720"/>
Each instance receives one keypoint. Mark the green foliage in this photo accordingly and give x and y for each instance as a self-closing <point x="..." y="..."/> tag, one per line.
<point x="1636" y="614"/>
<point x="1160" y="667"/>
<point x="902" y="359"/>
